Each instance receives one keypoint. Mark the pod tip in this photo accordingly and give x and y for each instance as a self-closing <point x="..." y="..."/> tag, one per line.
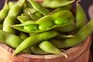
<point x="64" y="55"/>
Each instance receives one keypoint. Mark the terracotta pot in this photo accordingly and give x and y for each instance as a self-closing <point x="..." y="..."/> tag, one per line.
<point x="79" y="53"/>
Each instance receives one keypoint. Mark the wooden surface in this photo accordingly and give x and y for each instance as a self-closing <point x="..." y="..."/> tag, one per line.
<point x="79" y="53"/>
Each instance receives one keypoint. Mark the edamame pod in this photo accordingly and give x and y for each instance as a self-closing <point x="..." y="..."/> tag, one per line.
<point x="23" y="36"/>
<point x="34" y="17"/>
<point x="27" y="5"/>
<point x="23" y="19"/>
<point x="11" y="40"/>
<point x="68" y="26"/>
<point x="34" y="39"/>
<point x="81" y="18"/>
<point x="37" y="50"/>
<point x="11" y="17"/>
<point x="48" y="47"/>
<point x="4" y="11"/>
<point x="29" y="12"/>
<point x="11" y="4"/>
<point x="61" y="36"/>
<point x="38" y="14"/>
<point x="32" y="10"/>
<point x="38" y="7"/>
<point x="56" y="3"/>
<point x="80" y="36"/>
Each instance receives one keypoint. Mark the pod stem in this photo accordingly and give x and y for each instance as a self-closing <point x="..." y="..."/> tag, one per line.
<point x="64" y="55"/>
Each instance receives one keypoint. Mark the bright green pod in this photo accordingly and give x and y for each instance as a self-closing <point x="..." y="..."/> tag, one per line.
<point x="67" y="17"/>
<point x="60" y="21"/>
<point x="48" y="47"/>
<point x="45" y="25"/>
<point x="34" y="39"/>
<point x="78" y="38"/>
<point x="56" y="3"/>
<point x="31" y="27"/>
<point x="4" y="11"/>
<point x="12" y="17"/>
<point x="66" y="27"/>
<point x="11" y="3"/>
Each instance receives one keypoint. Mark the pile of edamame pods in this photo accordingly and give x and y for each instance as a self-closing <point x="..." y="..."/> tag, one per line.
<point x="43" y="28"/>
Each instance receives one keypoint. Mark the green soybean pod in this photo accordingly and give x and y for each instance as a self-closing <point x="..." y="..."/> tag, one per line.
<point x="11" y="3"/>
<point x="4" y="11"/>
<point x="23" y="36"/>
<point x="32" y="10"/>
<point x="11" y="40"/>
<point x="38" y="14"/>
<point x="29" y="12"/>
<point x="38" y="7"/>
<point x="27" y="5"/>
<point x="65" y="18"/>
<point x="34" y="39"/>
<point x="80" y="36"/>
<point x="48" y="47"/>
<point x="12" y="17"/>
<point x="34" y="17"/>
<point x="56" y="3"/>
<point x="38" y="50"/>
<point x="68" y="26"/>
<point x="23" y="19"/>
<point x="81" y="18"/>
